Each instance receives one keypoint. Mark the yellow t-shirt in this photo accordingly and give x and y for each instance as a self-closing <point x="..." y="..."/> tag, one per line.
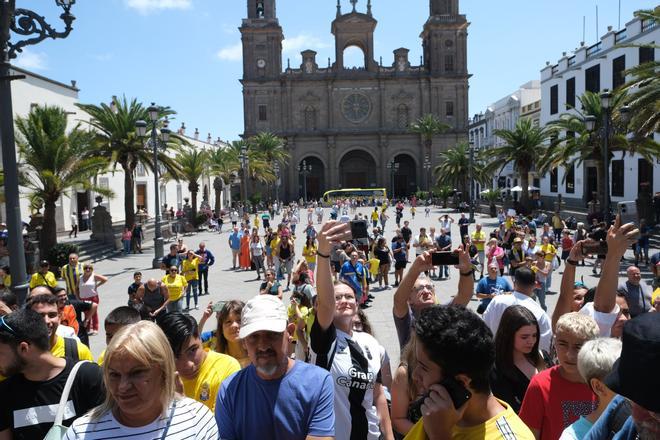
<point x="550" y="251"/>
<point x="189" y="269"/>
<point x="508" y="223"/>
<point x="291" y="313"/>
<point x="175" y="286"/>
<point x="374" y="215"/>
<point x="655" y="295"/>
<point x="479" y="235"/>
<point x="6" y="281"/>
<point x="213" y="371"/>
<point x="505" y="425"/>
<point x="101" y="358"/>
<point x="39" y="279"/>
<point x="275" y="246"/>
<point x="310" y="254"/>
<point x="374" y="265"/>
<point x="57" y="350"/>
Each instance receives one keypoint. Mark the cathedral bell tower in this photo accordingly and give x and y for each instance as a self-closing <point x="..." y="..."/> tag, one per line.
<point x="354" y="29"/>
<point x="445" y="39"/>
<point x="262" y="41"/>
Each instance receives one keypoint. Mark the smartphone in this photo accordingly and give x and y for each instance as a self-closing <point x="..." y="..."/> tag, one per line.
<point x="444" y="258"/>
<point x="458" y="393"/>
<point x="359" y="229"/>
<point x="594" y="248"/>
<point x="218" y="306"/>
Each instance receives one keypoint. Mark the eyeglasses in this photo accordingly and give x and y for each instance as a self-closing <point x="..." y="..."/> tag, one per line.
<point x="88" y="268"/>
<point x="3" y="324"/>
<point x="422" y="287"/>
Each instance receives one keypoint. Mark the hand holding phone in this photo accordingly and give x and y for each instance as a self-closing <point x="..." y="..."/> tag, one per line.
<point x="359" y="229"/>
<point x="444" y="258"/>
<point x="218" y="306"/>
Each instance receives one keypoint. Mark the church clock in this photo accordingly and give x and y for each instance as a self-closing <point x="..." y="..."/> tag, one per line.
<point x="356" y="107"/>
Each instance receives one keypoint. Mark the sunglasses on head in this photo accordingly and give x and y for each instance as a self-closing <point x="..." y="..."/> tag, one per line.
<point x="4" y="325"/>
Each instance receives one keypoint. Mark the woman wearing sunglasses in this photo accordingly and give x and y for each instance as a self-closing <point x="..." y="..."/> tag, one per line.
<point x="176" y="284"/>
<point x="88" y="286"/>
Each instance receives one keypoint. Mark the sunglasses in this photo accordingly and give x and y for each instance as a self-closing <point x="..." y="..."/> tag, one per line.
<point x="174" y="271"/>
<point x="4" y="325"/>
<point x="88" y="268"/>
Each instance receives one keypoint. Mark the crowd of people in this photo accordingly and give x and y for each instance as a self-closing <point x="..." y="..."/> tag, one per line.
<point x="299" y="360"/>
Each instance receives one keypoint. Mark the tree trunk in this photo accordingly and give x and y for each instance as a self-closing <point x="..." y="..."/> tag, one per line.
<point x="193" y="196"/>
<point x="48" y="237"/>
<point x="129" y="196"/>
<point x="524" y="194"/>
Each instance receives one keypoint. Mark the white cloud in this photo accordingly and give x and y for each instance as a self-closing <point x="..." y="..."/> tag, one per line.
<point x="31" y="60"/>
<point x="147" y="6"/>
<point x="231" y="53"/>
<point x="293" y="45"/>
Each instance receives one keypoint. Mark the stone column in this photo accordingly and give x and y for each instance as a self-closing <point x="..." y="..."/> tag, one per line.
<point x="332" y="166"/>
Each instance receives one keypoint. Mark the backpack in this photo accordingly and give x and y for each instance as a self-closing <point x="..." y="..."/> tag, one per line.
<point x="71" y="349"/>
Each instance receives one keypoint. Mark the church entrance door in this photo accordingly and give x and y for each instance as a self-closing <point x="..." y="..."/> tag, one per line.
<point x="405" y="178"/>
<point x="357" y="169"/>
<point x="315" y="184"/>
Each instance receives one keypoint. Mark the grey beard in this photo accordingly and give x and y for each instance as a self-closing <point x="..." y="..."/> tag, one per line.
<point x="267" y="371"/>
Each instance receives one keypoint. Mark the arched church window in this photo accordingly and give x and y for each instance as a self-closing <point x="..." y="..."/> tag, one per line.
<point x="260" y="8"/>
<point x="310" y="118"/>
<point x="402" y="116"/>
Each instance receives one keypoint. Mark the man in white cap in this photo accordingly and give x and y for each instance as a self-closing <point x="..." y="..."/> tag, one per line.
<point x="274" y="397"/>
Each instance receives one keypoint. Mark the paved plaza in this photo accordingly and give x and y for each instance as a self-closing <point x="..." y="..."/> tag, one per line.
<point x="226" y="284"/>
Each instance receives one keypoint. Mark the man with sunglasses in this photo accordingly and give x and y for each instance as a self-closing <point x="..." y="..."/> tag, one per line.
<point x="36" y="379"/>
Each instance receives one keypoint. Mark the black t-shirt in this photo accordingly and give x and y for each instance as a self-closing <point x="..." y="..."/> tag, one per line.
<point x="30" y="411"/>
<point x="170" y="260"/>
<point x="463" y="226"/>
<point x="82" y="309"/>
<point x="407" y="233"/>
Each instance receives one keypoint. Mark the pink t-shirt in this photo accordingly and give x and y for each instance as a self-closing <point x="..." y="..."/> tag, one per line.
<point x="498" y="251"/>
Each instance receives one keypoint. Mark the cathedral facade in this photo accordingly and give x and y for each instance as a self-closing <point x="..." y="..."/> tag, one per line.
<point x="348" y="124"/>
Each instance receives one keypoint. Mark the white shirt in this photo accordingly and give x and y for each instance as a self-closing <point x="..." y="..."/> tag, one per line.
<point x="74" y="220"/>
<point x="604" y="320"/>
<point x="66" y="332"/>
<point x="498" y="304"/>
<point x="189" y="420"/>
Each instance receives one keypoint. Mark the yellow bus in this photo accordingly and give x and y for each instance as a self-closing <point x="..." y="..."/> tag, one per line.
<point x="354" y="193"/>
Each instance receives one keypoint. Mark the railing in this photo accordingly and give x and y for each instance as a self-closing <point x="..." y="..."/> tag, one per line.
<point x="620" y="36"/>
<point x="571" y="60"/>
<point x="648" y="24"/>
<point x="555" y="69"/>
<point x="592" y="50"/>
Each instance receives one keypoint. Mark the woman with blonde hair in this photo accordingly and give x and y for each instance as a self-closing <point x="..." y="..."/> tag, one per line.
<point x="141" y="399"/>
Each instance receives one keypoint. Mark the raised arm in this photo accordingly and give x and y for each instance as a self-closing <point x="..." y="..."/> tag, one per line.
<point x="567" y="282"/>
<point x="331" y="233"/>
<point x="619" y="238"/>
<point x="420" y="264"/>
<point x="466" y="280"/>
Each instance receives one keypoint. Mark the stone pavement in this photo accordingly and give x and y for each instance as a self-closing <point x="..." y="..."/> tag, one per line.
<point x="226" y="284"/>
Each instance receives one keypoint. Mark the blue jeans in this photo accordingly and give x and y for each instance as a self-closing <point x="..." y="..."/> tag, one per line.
<point x="127" y="246"/>
<point x="540" y="295"/>
<point x="192" y="287"/>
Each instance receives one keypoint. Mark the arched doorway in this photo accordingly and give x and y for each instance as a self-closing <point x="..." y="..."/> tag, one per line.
<point x="315" y="183"/>
<point x="357" y="169"/>
<point x="405" y="178"/>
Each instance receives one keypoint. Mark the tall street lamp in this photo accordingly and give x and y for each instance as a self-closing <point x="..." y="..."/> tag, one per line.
<point x="427" y="172"/>
<point x="305" y="170"/>
<point x="276" y="168"/>
<point x="33" y="28"/>
<point x="471" y="177"/>
<point x="393" y="167"/>
<point x="141" y="129"/>
<point x="606" y="131"/>
<point x="245" y="163"/>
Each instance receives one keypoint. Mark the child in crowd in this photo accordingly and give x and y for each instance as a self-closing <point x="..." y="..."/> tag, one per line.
<point x="115" y="321"/>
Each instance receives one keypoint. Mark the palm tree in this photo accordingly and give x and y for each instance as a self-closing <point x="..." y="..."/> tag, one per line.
<point x="272" y="148"/>
<point x="428" y="126"/>
<point x="221" y="165"/>
<point x="117" y="141"/>
<point x="55" y="162"/>
<point x="524" y="146"/>
<point x="443" y="193"/>
<point x="192" y="165"/>
<point x="491" y="196"/>
<point x="580" y="145"/>
<point x="453" y="169"/>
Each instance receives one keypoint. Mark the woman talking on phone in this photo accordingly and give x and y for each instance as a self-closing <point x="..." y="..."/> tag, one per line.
<point x="352" y="357"/>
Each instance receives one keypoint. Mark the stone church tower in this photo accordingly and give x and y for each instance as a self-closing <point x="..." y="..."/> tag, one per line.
<point x="349" y="123"/>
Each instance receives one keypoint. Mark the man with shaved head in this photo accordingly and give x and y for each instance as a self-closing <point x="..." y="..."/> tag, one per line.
<point x="637" y="294"/>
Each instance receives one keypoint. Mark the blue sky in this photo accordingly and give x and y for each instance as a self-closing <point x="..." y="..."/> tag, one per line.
<point x="186" y="53"/>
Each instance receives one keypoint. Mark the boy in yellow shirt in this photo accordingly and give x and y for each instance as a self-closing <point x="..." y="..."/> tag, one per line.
<point x="43" y="276"/>
<point x="46" y="306"/>
<point x="455" y="351"/>
<point x="201" y="372"/>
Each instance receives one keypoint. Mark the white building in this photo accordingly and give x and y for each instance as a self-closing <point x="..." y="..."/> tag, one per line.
<point x="503" y="115"/>
<point x="36" y="90"/>
<point x="596" y="68"/>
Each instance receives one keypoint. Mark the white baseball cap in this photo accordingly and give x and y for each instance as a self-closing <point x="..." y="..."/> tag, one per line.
<point x="263" y="313"/>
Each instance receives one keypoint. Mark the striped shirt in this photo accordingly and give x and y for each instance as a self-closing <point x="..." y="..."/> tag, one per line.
<point x="189" y="420"/>
<point x="71" y="275"/>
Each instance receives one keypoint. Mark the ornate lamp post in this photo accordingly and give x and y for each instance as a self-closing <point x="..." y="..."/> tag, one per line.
<point x="393" y="167"/>
<point x="141" y="129"/>
<point x="471" y="177"/>
<point x="427" y="172"/>
<point x="606" y="131"/>
<point x="276" y="168"/>
<point x="305" y="170"/>
<point x="245" y="163"/>
<point x="33" y="28"/>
